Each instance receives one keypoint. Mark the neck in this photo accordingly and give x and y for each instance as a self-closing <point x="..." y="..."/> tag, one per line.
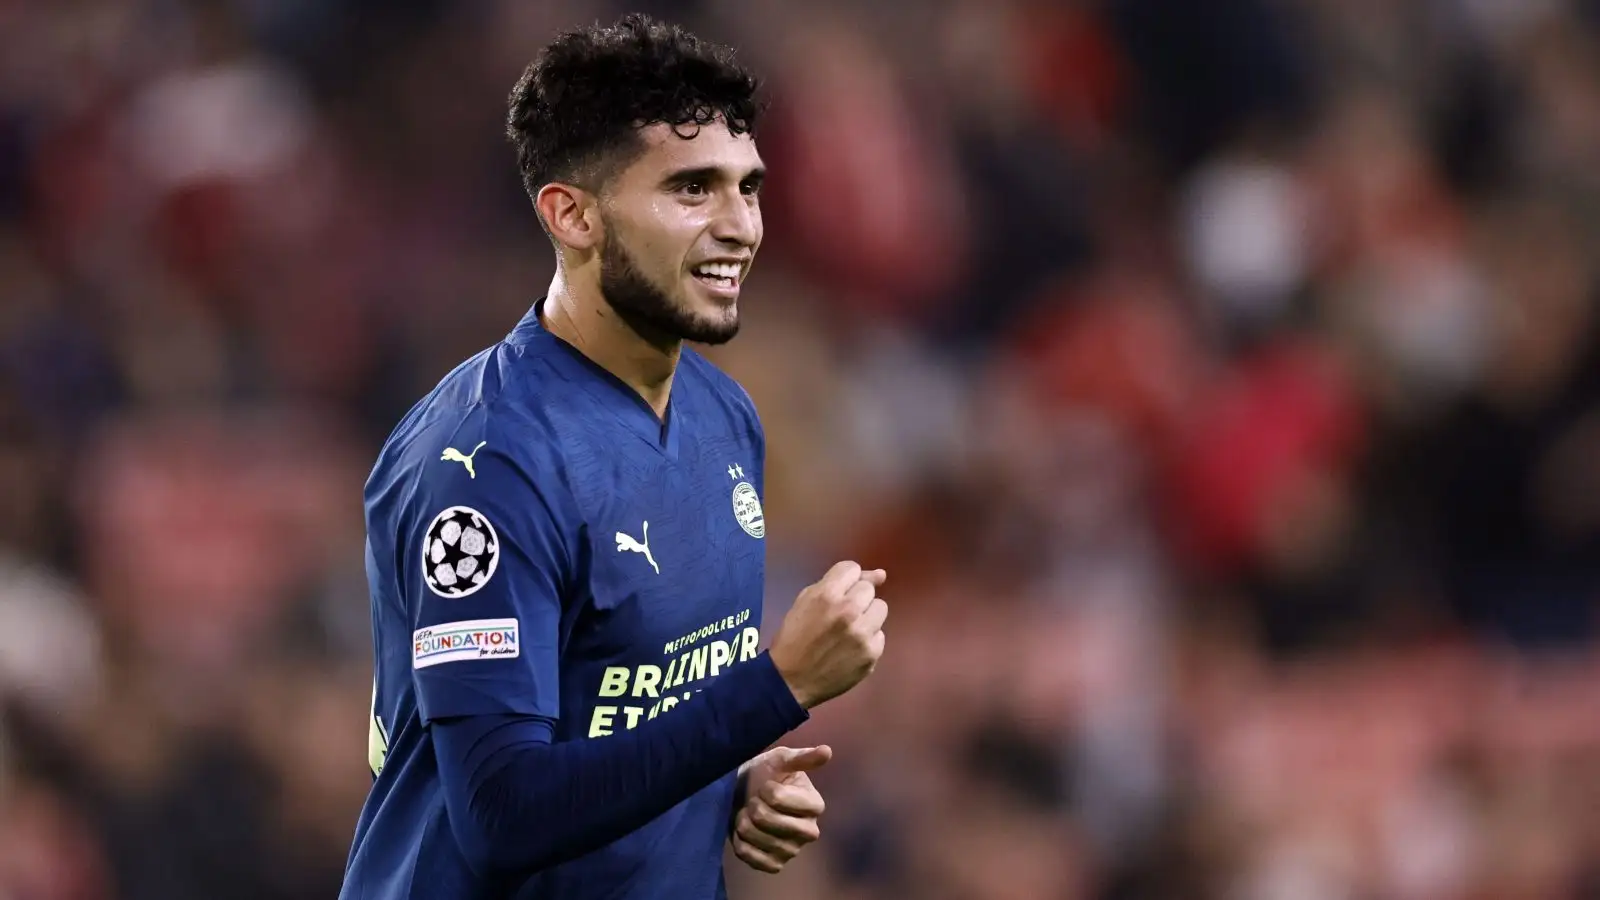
<point x="582" y="318"/>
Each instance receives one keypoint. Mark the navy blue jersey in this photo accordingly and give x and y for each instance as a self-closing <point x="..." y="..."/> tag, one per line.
<point x="540" y="543"/>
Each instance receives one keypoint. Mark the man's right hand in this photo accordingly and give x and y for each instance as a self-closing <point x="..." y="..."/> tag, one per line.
<point x="833" y="635"/>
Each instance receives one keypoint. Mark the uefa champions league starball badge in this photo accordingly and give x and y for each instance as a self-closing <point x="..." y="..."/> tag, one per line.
<point x="460" y="552"/>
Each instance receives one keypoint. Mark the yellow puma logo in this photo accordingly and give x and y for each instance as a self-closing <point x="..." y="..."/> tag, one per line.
<point x="451" y="454"/>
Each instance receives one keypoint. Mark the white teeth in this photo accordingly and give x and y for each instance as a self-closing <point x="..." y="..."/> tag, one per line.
<point x="729" y="271"/>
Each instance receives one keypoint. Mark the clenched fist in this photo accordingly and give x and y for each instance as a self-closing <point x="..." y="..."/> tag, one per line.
<point x="832" y="637"/>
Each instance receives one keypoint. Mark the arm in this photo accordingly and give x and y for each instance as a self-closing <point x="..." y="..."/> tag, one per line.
<point x="519" y="803"/>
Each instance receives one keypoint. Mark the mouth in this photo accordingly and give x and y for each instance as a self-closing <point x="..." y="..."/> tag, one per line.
<point x="721" y="278"/>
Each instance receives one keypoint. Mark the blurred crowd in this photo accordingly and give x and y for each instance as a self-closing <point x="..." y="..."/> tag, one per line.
<point x="1219" y="383"/>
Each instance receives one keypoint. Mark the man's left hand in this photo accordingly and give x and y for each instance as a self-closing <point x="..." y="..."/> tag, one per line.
<point x="781" y="808"/>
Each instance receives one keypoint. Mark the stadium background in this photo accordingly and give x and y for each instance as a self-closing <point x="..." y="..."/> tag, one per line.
<point x="1218" y="382"/>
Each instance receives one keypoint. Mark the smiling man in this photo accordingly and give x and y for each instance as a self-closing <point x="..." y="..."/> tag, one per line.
<point x="566" y="546"/>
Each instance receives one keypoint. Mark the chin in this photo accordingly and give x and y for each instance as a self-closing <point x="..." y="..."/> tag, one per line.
<point x="713" y="329"/>
<point x="706" y="320"/>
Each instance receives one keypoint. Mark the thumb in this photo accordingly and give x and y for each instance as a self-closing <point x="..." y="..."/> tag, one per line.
<point x="803" y="760"/>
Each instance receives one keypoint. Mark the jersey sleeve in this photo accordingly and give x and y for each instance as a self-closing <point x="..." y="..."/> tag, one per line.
<point x="486" y="570"/>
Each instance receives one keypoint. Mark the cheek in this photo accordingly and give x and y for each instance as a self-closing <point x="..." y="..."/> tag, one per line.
<point x="667" y="238"/>
<point x="655" y="256"/>
<point x="672" y="222"/>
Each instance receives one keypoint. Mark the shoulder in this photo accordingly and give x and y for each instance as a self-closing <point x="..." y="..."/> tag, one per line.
<point x="724" y="391"/>
<point x="484" y="435"/>
<point x="478" y="481"/>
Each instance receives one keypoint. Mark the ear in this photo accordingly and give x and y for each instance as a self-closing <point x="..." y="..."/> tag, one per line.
<point x="571" y="215"/>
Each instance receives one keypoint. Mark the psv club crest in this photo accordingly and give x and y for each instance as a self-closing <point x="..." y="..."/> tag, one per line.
<point x="747" y="509"/>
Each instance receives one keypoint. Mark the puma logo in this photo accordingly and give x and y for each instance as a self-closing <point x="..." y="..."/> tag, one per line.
<point x="626" y="542"/>
<point x="451" y="454"/>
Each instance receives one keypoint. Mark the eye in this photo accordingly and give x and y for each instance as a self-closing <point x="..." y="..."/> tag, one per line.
<point x="750" y="188"/>
<point x="695" y="188"/>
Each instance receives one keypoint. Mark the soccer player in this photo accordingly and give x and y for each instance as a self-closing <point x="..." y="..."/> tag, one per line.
<point x="566" y="545"/>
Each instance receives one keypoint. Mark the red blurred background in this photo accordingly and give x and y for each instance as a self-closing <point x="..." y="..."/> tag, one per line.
<point x="1218" y="382"/>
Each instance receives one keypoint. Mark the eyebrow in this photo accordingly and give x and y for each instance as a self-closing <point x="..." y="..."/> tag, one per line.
<point x="711" y="173"/>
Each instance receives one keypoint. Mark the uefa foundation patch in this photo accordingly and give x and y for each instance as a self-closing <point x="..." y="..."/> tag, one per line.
<point x="458" y="641"/>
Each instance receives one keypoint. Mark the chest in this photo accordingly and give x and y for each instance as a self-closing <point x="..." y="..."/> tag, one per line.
<point x="672" y="548"/>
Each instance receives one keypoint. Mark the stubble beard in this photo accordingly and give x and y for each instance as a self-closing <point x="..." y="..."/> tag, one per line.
<point x="650" y="310"/>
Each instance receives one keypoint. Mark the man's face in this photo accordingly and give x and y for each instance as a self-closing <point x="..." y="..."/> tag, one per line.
<point x="682" y="226"/>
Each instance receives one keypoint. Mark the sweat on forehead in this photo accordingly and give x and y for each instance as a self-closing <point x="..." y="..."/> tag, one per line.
<point x="593" y="170"/>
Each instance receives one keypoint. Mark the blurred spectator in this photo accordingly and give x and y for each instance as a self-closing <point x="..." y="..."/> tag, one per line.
<point x="1218" y="382"/>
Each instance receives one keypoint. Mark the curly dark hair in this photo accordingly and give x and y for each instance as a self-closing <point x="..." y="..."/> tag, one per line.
<point x="576" y="111"/>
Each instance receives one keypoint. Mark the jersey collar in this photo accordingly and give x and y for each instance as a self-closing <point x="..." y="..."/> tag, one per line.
<point x="605" y="388"/>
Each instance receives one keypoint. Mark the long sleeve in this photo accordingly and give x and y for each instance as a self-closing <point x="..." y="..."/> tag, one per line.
<point x="519" y="803"/>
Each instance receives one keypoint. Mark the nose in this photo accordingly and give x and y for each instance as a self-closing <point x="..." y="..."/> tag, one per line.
<point x="738" y="222"/>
